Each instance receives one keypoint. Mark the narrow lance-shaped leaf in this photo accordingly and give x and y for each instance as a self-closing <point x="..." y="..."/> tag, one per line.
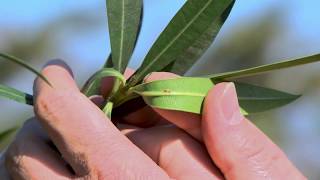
<point x="109" y="63"/>
<point x="254" y="99"/>
<point x="187" y="59"/>
<point x="192" y="20"/>
<point x="93" y="85"/>
<point x="16" y="95"/>
<point x="124" y="21"/>
<point x="187" y="94"/>
<point x="23" y="64"/>
<point x="266" y="68"/>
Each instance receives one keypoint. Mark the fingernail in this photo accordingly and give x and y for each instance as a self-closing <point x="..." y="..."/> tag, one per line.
<point x="230" y="106"/>
<point x="62" y="64"/>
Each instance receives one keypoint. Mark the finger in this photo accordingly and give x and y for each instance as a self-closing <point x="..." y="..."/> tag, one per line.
<point x="178" y="154"/>
<point x="144" y="117"/>
<point x="87" y="139"/>
<point x="97" y="100"/>
<point x="3" y="171"/>
<point x="61" y="81"/>
<point x="187" y="121"/>
<point x="30" y="156"/>
<point x="137" y="113"/>
<point x="237" y="147"/>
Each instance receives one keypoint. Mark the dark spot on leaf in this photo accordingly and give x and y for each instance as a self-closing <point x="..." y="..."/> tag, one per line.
<point x="167" y="91"/>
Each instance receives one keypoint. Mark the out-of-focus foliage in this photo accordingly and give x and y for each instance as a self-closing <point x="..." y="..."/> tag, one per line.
<point x="39" y="44"/>
<point x="32" y="48"/>
<point x="6" y="136"/>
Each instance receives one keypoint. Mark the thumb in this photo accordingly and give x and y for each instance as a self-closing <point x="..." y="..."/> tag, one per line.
<point x="237" y="147"/>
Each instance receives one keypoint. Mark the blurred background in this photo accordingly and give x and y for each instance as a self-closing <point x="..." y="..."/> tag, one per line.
<point x="257" y="32"/>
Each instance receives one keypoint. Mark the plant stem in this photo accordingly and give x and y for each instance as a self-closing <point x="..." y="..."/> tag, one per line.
<point x="108" y="109"/>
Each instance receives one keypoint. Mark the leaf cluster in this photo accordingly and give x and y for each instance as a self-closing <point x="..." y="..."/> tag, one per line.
<point x="188" y="35"/>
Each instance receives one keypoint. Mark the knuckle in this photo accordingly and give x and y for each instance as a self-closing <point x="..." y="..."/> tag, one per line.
<point x="17" y="166"/>
<point x="261" y="156"/>
<point x="49" y="105"/>
<point x="126" y="172"/>
<point x="246" y="145"/>
<point x="15" y="158"/>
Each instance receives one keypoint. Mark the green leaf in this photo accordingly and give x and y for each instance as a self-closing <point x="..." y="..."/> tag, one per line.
<point x="187" y="94"/>
<point x="16" y="95"/>
<point x="109" y="63"/>
<point x="182" y="94"/>
<point x="187" y="59"/>
<point x="93" y="85"/>
<point x="192" y="20"/>
<point x="23" y="64"/>
<point x="254" y="99"/>
<point x="124" y="21"/>
<point x="266" y="68"/>
<point x="7" y="133"/>
<point x="6" y="137"/>
<point x="108" y="109"/>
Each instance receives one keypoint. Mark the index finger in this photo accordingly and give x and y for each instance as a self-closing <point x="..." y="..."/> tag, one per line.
<point x="86" y="138"/>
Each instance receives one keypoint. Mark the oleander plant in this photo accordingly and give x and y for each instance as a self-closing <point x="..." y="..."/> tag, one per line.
<point x="188" y="35"/>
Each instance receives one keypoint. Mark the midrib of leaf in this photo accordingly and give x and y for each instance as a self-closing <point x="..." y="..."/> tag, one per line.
<point x="161" y="93"/>
<point x="176" y="38"/>
<point x="122" y="35"/>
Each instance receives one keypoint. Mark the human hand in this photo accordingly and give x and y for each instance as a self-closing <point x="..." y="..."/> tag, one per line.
<point x="94" y="148"/>
<point x="84" y="138"/>
<point x="71" y="138"/>
<point x="235" y="145"/>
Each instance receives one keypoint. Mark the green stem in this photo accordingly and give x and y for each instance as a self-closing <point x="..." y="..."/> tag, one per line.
<point x="108" y="109"/>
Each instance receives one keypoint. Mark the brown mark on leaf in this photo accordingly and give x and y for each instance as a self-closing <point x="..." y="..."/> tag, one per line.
<point x="167" y="91"/>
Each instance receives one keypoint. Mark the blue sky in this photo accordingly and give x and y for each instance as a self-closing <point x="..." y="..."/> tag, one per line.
<point x="299" y="18"/>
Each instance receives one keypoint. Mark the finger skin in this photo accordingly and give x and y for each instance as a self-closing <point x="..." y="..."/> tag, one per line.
<point x="181" y="156"/>
<point x="30" y="156"/>
<point x="237" y="147"/>
<point x="3" y="171"/>
<point x="189" y="122"/>
<point x="86" y="138"/>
